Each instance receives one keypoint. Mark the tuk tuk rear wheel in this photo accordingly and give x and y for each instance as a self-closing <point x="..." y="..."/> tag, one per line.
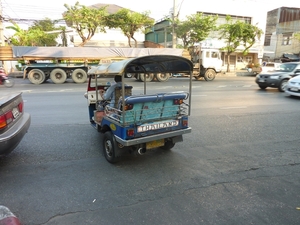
<point x="168" y="145"/>
<point x="110" y="147"/>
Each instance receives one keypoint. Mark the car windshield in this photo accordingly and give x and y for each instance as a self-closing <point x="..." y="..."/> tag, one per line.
<point x="286" y="67"/>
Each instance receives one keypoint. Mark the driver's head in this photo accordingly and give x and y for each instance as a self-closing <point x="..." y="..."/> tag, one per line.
<point x="118" y="78"/>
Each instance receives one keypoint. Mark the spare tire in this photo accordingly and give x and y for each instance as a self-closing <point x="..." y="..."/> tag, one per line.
<point x="79" y="76"/>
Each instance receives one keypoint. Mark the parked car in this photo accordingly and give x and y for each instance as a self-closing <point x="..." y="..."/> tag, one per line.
<point x="293" y="86"/>
<point x="269" y="66"/>
<point x="279" y="77"/>
<point x="14" y="122"/>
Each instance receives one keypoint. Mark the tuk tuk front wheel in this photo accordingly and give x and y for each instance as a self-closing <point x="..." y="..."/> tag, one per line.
<point x="110" y="147"/>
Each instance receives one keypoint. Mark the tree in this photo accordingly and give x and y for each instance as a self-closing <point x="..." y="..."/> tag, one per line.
<point x="194" y="29"/>
<point x="24" y="37"/>
<point x="236" y="34"/>
<point x="85" y="20"/>
<point x="35" y="35"/>
<point x="46" y="25"/>
<point x="130" y="23"/>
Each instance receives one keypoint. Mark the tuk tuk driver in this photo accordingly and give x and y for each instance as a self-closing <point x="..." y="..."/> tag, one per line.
<point x="109" y="94"/>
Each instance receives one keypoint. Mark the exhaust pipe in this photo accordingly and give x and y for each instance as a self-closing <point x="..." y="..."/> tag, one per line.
<point x="141" y="151"/>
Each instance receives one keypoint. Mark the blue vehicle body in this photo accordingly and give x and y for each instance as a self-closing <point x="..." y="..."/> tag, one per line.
<point x="139" y="122"/>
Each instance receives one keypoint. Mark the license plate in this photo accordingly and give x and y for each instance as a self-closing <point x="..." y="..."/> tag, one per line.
<point x="15" y="112"/>
<point x="294" y="89"/>
<point x="158" y="125"/>
<point x="261" y="80"/>
<point x="155" y="144"/>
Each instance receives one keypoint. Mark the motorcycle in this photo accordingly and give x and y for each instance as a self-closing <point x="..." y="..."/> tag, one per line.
<point x="4" y="79"/>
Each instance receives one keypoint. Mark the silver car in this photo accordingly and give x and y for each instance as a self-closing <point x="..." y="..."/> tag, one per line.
<point x="14" y="122"/>
<point x="293" y="86"/>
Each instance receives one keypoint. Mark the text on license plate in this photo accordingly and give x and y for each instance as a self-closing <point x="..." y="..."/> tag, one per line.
<point x="261" y="80"/>
<point x="156" y="126"/>
<point x="15" y="112"/>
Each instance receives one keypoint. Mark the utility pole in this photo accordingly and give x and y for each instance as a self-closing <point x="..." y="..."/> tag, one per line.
<point x="174" y="16"/>
<point x="1" y="26"/>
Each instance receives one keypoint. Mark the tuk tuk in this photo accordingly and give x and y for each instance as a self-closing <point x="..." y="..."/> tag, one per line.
<point x="139" y="122"/>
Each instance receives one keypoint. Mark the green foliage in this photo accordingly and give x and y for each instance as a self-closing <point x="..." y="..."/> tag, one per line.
<point x="297" y="36"/>
<point x="237" y="34"/>
<point x="195" y="28"/>
<point x="35" y="35"/>
<point x="85" y="20"/>
<point x="130" y="23"/>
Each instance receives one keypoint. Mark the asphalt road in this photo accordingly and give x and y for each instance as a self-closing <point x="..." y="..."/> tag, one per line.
<point x="240" y="164"/>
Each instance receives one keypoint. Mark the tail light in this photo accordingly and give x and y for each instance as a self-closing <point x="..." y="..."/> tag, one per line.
<point x="21" y="106"/>
<point x="2" y="121"/>
<point x="130" y="132"/>
<point x="128" y="107"/>
<point x="178" y="101"/>
<point x="185" y="123"/>
<point x="6" y="119"/>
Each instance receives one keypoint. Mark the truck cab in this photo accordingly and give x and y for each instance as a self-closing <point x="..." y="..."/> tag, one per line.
<point x="207" y="62"/>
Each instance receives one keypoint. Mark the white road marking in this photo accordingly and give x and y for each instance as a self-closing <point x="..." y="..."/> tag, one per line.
<point x="235" y="107"/>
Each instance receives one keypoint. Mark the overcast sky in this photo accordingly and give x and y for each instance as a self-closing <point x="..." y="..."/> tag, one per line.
<point x="39" y="9"/>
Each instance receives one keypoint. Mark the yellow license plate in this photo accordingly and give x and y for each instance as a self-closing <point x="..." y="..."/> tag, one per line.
<point x="155" y="144"/>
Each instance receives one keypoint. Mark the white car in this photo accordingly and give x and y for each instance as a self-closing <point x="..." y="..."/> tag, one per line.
<point x="269" y="66"/>
<point x="293" y="86"/>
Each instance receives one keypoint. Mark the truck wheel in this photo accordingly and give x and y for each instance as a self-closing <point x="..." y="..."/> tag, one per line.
<point x="110" y="147"/>
<point x="128" y="75"/>
<point x="149" y="77"/>
<point x="79" y="76"/>
<point x="162" y="77"/>
<point x="58" y="76"/>
<point x="36" y="76"/>
<point x="210" y="75"/>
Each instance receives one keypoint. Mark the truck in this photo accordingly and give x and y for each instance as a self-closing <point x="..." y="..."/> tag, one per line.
<point x="62" y="64"/>
<point x="64" y="61"/>
<point x="207" y="63"/>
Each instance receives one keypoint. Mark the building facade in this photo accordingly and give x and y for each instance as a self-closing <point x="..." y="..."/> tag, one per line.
<point x="282" y="25"/>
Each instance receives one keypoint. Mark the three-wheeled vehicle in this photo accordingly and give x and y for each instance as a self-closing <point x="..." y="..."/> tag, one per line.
<point x="140" y="122"/>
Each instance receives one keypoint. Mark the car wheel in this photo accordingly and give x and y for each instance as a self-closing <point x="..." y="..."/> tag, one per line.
<point x="110" y="147"/>
<point x="282" y="85"/>
<point x="261" y="86"/>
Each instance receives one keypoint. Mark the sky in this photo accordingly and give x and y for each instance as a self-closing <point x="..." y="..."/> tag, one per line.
<point x="39" y="9"/>
<point x="24" y="11"/>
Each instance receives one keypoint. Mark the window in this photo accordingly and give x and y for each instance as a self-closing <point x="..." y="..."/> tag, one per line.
<point x="240" y="59"/>
<point x="214" y="55"/>
<point x="267" y="40"/>
<point x="248" y="59"/>
<point x="287" y="39"/>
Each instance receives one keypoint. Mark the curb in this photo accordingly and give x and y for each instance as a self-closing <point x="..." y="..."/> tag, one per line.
<point x="7" y="217"/>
